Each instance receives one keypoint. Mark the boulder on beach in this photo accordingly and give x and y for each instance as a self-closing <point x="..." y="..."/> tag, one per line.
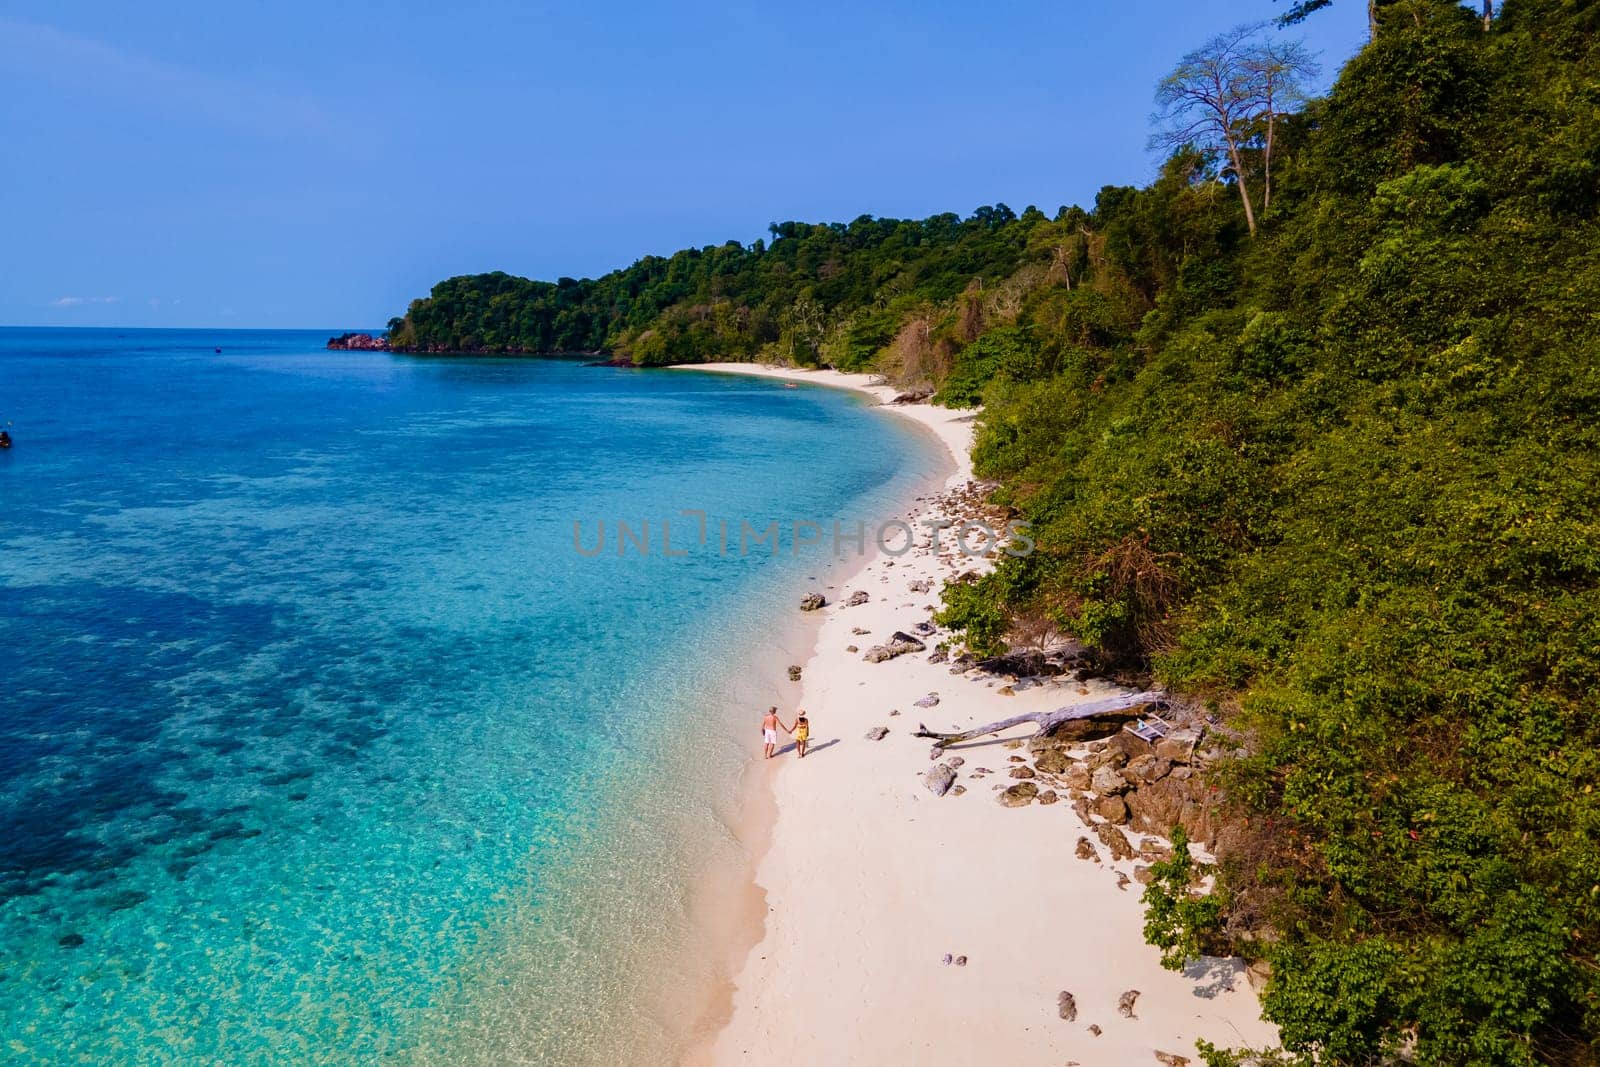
<point x="1020" y="795"/>
<point x="813" y="601"/>
<point x="929" y="701"/>
<point x="898" y="645"/>
<point x="877" y="733"/>
<point x="794" y="672"/>
<point x="859" y="597"/>
<point x="1115" y="841"/>
<point x="1125" y="1003"/>
<point x="1067" y="1006"/>
<point x="940" y="779"/>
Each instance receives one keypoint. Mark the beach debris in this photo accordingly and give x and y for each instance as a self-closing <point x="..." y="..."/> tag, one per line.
<point x="898" y="645"/>
<point x="1093" y="1029"/>
<point x="922" y="585"/>
<point x="961" y="961"/>
<point x="926" y="629"/>
<point x="939" y="656"/>
<point x="1020" y="795"/>
<point x="1022" y="771"/>
<point x="858" y="598"/>
<point x="940" y="779"/>
<point x="1171" y="1059"/>
<point x="1142" y="875"/>
<point x="1125" y="1003"/>
<point x="851" y="648"/>
<point x="858" y="631"/>
<point x="877" y="733"/>
<point x="794" y="672"/>
<point x="1115" y="840"/>
<point x="1086" y="851"/>
<point x="948" y="959"/>
<point x="956" y="761"/>
<point x="1122" y="881"/>
<point x="896" y="711"/>
<point x="929" y="701"/>
<point x="813" y="601"/>
<point x="1048" y="796"/>
<point x="1007" y="691"/>
<point x="1067" y="1006"/>
<point x="957" y="790"/>
<point x="1016" y="759"/>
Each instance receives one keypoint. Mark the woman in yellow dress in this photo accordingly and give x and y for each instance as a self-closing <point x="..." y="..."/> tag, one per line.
<point x="802" y="733"/>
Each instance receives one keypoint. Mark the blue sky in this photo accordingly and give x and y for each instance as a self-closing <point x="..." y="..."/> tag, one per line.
<point x="283" y="163"/>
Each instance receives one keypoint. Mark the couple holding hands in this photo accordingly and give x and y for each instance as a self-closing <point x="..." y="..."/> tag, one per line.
<point x="770" y="724"/>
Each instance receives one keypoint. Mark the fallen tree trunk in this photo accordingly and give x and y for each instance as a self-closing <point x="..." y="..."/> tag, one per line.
<point x="1046" y="720"/>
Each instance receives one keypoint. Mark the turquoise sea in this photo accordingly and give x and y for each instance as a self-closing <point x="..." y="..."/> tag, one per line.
<point x="321" y="743"/>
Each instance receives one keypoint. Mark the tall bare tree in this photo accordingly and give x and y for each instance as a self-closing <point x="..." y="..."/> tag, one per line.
<point x="1281" y="69"/>
<point x="1227" y="96"/>
<point x="1209" y="100"/>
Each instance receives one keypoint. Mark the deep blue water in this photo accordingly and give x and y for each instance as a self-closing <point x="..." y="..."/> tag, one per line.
<point x="319" y="742"/>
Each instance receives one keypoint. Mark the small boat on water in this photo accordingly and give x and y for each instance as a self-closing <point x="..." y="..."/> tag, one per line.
<point x="5" y="439"/>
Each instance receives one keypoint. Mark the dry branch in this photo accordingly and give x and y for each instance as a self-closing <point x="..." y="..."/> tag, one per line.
<point x="1047" y="720"/>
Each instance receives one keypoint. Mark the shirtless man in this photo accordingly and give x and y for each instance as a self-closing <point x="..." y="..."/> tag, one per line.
<point x="769" y="731"/>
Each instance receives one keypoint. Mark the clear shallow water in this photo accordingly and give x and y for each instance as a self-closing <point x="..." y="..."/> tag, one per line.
<point x="319" y="742"/>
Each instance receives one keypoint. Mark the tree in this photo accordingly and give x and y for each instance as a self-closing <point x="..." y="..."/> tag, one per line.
<point x="1281" y="69"/>
<point x="1209" y="99"/>
<point x="1301" y="9"/>
<point x="1235" y="83"/>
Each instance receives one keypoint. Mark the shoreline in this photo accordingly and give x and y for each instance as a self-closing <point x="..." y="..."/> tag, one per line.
<point x="732" y="908"/>
<point x="868" y="880"/>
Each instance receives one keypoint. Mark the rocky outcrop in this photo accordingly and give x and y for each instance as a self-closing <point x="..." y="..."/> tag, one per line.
<point x="1067" y="1006"/>
<point x="363" y="342"/>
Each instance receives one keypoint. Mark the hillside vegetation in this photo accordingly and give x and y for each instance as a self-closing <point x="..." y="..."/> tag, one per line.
<point x="1340" y="479"/>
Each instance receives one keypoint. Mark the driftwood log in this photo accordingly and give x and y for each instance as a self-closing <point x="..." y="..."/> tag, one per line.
<point x="1047" y="720"/>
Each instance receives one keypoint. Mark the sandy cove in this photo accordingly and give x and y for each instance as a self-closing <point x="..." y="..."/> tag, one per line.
<point x="870" y="879"/>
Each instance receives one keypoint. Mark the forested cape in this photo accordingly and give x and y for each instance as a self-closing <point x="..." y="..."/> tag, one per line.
<point x="1340" y="479"/>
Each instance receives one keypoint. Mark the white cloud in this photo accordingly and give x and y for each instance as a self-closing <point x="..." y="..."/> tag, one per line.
<point x="80" y="301"/>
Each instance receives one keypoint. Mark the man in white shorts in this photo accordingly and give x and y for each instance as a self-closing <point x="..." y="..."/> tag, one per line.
<point x="769" y="731"/>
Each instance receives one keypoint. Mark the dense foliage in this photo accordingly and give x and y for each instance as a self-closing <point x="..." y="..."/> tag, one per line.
<point x="1339" y="479"/>
<point x="834" y="293"/>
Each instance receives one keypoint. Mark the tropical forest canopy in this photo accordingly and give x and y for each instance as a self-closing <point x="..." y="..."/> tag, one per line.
<point x="1309" y="428"/>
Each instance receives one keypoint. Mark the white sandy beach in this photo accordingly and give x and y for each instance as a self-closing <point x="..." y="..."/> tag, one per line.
<point x="870" y="879"/>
